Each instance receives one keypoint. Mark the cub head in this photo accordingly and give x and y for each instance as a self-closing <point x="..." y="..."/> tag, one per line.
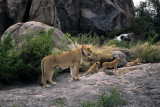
<point x="119" y="60"/>
<point x="138" y="59"/>
<point x="86" y="50"/>
<point x="98" y="63"/>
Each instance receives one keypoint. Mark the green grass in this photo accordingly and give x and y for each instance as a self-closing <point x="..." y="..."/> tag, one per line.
<point x="120" y="44"/>
<point x="114" y="100"/>
<point x="58" y="102"/>
<point x="88" y="38"/>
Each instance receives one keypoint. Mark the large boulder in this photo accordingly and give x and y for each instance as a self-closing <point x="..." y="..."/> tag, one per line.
<point x="73" y="16"/>
<point x="122" y="56"/>
<point x="20" y="30"/>
<point x="140" y="87"/>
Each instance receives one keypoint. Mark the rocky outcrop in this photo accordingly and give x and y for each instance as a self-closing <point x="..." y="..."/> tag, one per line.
<point x="140" y="87"/>
<point x="73" y="16"/>
<point x="20" y="30"/>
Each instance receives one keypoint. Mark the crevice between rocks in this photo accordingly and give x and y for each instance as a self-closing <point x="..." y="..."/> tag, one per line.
<point x="27" y="10"/>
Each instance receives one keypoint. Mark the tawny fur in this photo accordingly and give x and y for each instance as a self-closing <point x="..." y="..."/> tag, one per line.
<point x="135" y="62"/>
<point x="70" y="59"/>
<point x="94" y="68"/>
<point x="112" y="64"/>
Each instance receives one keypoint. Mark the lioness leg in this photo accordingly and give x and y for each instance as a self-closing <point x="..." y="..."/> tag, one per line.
<point x="72" y="73"/>
<point x="77" y="71"/>
<point x="50" y="77"/>
<point x="104" y="68"/>
<point x="115" y="67"/>
<point x="45" y="78"/>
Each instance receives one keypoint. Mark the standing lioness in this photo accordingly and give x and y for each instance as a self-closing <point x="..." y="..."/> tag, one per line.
<point x="70" y="59"/>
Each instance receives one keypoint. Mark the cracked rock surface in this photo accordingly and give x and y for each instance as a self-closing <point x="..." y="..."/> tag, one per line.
<point x="72" y="16"/>
<point x="140" y="87"/>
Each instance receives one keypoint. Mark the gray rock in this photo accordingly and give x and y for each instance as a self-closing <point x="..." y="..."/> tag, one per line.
<point x="43" y="11"/>
<point x="140" y="88"/>
<point x="20" y="30"/>
<point x="122" y="56"/>
<point x="73" y="16"/>
<point x="93" y="15"/>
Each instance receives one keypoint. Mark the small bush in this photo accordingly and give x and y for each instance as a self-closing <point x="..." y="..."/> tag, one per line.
<point x="114" y="100"/>
<point x="32" y="52"/>
<point x="9" y="61"/>
<point x="148" y="52"/>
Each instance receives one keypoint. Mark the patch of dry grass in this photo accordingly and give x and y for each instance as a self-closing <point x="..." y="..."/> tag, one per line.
<point x="98" y="53"/>
<point x="148" y="52"/>
<point x="102" y="52"/>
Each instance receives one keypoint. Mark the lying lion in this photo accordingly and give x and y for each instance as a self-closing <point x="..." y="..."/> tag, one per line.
<point x="70" y="59"/>
<point x="135" y="62"/>
<point x="112" y="64"/>
<point x="94" y="68"/>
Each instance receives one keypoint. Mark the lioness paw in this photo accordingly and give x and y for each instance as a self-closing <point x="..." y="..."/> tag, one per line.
<point x="47" y="86"/>
<point x="54" y="83"/>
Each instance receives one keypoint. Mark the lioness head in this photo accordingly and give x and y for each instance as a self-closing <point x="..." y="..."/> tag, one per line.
<point x="138" y="59"/>
<point x="86" y="50"/>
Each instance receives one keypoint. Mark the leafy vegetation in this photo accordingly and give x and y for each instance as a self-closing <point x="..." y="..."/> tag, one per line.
<point x="120" y="44"/>
<point x="114" y="100"/>
<point x="88" y="38"/>
<point x="9" y="61"/>
<point x="147" y="21"/>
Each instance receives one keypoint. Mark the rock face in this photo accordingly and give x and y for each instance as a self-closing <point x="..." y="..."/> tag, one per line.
<point x="5" y="20"/>
<point x="140" y="87"/>
<point x="20" y="30"/>
<point x="73" y="16"/>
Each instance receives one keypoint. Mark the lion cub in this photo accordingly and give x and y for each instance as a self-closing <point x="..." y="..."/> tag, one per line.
<point x="94" y="68"/>
<point x="112" y="64"/>
<point x="135" y="62"/>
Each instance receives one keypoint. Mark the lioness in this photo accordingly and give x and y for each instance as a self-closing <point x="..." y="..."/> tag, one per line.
<point x="112" y="64"/>
<point x="135" y="62"/>
<point x="94" y="68"/>
<point x="70" y="59"/>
